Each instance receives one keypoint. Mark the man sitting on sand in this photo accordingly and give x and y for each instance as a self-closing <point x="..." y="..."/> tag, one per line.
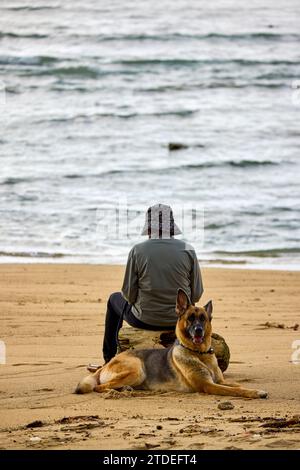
<point x="155" y="269"/>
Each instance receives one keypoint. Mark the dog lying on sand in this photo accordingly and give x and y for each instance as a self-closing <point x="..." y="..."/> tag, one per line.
<point x="189" y="365"/>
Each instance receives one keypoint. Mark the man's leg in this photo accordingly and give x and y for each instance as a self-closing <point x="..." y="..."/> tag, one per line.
<point x="115" y="306"/>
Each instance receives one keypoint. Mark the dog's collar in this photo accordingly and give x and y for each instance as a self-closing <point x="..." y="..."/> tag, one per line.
<point x="209" y="351"/>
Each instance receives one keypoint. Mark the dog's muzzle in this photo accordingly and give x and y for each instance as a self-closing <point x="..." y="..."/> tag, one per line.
<point x="197" y="334"/>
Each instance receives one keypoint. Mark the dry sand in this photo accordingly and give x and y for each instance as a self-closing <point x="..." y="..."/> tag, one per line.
<point x="52" y="323"/>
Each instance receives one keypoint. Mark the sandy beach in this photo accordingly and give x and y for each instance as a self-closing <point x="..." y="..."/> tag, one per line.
<point x="52" y="320"/>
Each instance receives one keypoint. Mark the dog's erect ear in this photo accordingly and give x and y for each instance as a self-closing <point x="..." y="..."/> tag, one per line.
<point x="182" y="302"/>
<point x="209" y="309"/>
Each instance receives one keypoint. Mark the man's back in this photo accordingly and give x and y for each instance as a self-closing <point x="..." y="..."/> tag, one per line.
<point x="155" y="270"/>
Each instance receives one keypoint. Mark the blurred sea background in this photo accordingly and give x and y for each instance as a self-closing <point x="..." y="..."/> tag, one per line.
<point x="93" y="92"/>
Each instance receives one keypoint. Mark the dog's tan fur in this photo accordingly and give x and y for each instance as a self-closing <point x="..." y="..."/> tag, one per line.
<point x="186" y="367"/>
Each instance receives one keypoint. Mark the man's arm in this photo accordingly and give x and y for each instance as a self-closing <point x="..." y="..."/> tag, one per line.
<point x="130" y="283"/>
<point x="196" y="280"/>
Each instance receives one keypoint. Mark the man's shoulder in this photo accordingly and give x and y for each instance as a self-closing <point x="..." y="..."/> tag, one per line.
<point x="138" y="246"/>
<point x="185" y="246"/>
<point x="180" y="244"/>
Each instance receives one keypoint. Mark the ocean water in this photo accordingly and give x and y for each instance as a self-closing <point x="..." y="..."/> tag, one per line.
<point x="93" y="92"/>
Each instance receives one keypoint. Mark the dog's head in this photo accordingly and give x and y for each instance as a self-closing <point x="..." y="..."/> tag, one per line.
<point x="193" y="328"/>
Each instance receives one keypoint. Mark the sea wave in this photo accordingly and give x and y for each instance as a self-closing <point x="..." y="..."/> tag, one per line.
<point x="95" y="116"/>
<point x="227" y="163"/>
<point x="83" y="71"/>
<point x="30" y="7"/>
<point x="267" y="36"/>
<point x="251" y="163"/>
<point x="192" y="62"/>
<point x="188" y="167"/>
<point x="27" y="60"/>
<point x="267" y="253"/>
<point x="215" y="226"/>
<point x="230" y="84"/>
<point x="196" y="166"/>
<point x="22" y="35"/>
<point x="102" y="67"/>
<point x="79" y="71"/>
<point x="31" y="254"/>
<point x="11" y="181"/>
<point x="159" y="37"/>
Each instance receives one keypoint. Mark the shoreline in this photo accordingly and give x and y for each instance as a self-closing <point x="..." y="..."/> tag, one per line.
<point x="226" y="265"/>
<point x="52" y="322"/>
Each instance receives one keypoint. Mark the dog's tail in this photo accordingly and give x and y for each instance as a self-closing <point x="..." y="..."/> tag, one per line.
<point x="88" y="384"/>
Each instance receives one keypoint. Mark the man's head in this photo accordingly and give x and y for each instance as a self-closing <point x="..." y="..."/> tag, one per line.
<point x="159" y="222"/>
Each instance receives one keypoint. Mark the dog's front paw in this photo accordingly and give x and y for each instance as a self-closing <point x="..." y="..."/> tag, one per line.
<point x="262" y="394"/>
<point x="127" y="388"/>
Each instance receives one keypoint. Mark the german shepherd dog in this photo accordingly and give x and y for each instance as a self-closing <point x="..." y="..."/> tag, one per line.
<point x="189" y="365"/>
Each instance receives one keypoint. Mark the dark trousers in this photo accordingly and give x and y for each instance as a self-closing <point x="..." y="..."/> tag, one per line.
<point x="117" y="305"/>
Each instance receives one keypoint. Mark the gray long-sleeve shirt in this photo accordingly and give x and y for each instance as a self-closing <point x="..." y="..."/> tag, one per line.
<point x="155" y="270"/>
